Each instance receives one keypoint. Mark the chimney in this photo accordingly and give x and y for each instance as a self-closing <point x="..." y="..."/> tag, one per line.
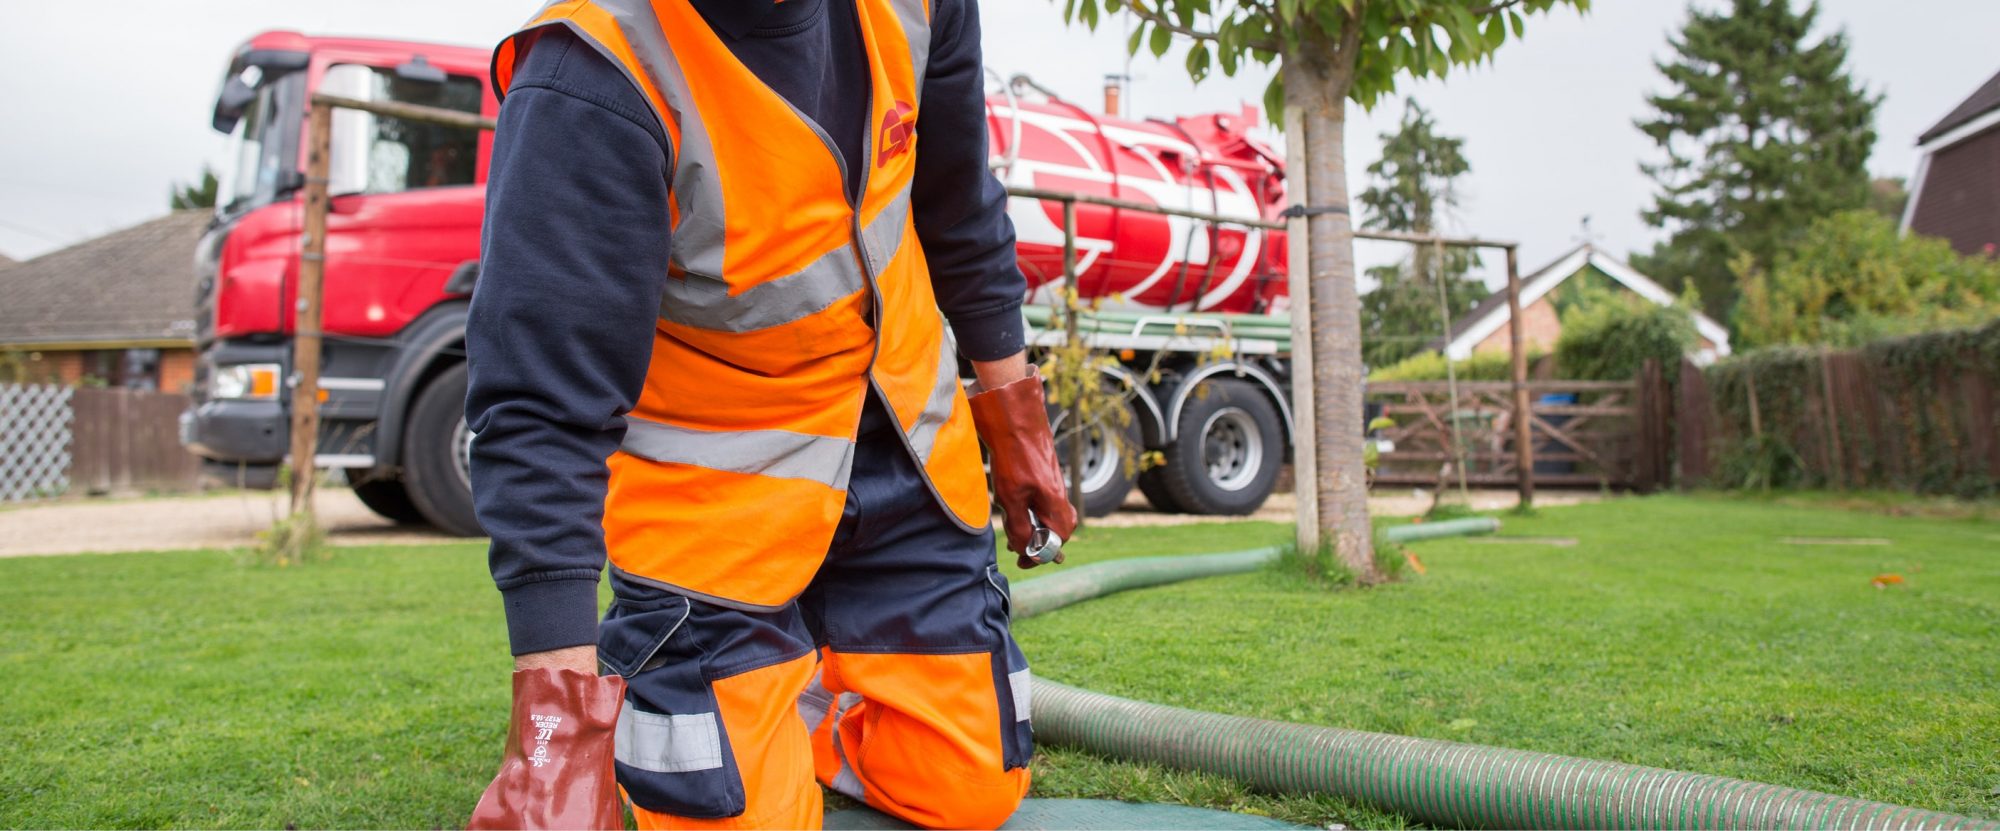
<point x="1114" y="93"/>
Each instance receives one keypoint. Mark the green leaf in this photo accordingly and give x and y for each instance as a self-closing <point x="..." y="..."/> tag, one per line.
<point x="1138" y="34"/>
<point x="1514" y="20"/>
<point x="1197" y="61"/>
<point x="1274" y="100"/>
<point x="1161" y="40"/>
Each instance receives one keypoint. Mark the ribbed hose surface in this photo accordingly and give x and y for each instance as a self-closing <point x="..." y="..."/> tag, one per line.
<point x="1439" y="782"/>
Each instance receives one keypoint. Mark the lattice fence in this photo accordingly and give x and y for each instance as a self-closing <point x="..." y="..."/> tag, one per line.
<point x="35" y="440"/>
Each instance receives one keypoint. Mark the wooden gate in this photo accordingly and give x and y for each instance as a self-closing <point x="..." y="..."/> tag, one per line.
<point x="1584" y="433"/>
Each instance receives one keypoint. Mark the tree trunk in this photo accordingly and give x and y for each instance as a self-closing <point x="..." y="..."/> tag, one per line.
<point x="1318" y="73"/>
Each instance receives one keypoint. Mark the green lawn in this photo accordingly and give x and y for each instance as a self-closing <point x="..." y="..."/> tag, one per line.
<point x="187" y="689"/>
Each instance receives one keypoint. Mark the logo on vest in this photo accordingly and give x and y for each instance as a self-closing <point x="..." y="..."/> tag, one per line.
<point x="898" y="129"/>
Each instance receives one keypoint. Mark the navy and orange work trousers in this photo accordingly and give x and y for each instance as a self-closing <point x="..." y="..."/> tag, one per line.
<point x="892" y="679"/>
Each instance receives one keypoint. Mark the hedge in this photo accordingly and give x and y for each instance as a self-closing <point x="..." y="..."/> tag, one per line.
<point x="1915" y="413"/>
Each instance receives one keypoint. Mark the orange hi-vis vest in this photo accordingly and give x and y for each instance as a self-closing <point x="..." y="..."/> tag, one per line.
<point x="785" y="302"/>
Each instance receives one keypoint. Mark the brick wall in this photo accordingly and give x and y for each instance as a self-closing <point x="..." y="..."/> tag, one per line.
<point x="40" y="367"/>
<point x="177" y="370"/>
<point x="73" y="366"/>
<point x="1540" y="335"/>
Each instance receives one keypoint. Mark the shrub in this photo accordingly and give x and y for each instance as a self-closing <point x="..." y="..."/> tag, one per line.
<point x="1607" y="335"/>
<point x="1853" y="278"/>
<point x="1430" y="366"/>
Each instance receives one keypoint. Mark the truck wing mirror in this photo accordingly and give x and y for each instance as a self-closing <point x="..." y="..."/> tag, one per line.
<point x="235" y="97"/>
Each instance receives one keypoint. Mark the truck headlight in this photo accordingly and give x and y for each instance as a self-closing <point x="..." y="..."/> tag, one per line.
<point x="245" y="381"/>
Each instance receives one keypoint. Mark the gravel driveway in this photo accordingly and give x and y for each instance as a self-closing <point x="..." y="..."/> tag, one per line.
<point x="233" y="519"/>
<point x="223" y="520"/>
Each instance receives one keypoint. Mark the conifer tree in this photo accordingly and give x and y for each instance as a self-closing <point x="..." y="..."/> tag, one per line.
<point x="1410" y="189"/>
<point x="1763" y="130"/>
<point x="200" y="195"/>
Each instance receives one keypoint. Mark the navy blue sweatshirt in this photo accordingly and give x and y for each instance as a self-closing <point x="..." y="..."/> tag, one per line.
<point x="574" y="262"/>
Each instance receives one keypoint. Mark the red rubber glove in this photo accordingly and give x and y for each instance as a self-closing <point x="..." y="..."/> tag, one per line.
<point x="557" y="772"/>
<point x="1013" y="421"/>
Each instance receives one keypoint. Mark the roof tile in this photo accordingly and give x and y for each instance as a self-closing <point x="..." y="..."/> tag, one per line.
<point x="132" y="284"/>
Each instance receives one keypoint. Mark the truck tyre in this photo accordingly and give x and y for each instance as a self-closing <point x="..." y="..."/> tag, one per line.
<point x="386" y="497"/>
<point x="1153" y="483"/>
<point x="1227" y="450"/>
<point x="1110" y="452"/>
<point x="435" y="444"/>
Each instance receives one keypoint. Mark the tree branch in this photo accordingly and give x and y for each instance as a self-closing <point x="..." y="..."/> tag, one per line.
<point x="1139" y="10"/>
<point x="1482" y="11"/>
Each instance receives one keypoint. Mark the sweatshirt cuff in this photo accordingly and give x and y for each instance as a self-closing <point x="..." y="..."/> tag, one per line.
<point x="990" y="335"/>
<point x="551" y="614"/>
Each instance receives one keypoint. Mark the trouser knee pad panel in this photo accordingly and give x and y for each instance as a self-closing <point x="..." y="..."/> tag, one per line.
<point x="672" y="751"/>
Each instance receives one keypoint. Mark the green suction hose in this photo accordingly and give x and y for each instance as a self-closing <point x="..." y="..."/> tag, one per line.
<point x="1088" y="582"/>
<point x="1439" y="782"/>
<point x="1447" y="783"/>
<point x="1080" y="583"/>
<point x="1446" y="528"/>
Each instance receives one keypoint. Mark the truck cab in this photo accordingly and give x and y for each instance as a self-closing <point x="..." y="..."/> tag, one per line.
<point x="402" y="253"/>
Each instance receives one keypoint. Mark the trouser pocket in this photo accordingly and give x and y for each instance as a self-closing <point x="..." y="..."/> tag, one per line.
<point x="1011" y="678"/>
<point x="672" y="752"/>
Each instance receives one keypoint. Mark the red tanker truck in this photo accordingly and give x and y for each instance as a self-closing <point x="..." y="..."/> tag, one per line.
<point x="1192" y="310"/>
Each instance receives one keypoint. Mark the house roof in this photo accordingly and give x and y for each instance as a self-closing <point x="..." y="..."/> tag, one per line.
<point x="6" y="261"/>
<point x="1492" y="313"/>
<point x="132" y="285"/>
<point x="1985" y="100"/>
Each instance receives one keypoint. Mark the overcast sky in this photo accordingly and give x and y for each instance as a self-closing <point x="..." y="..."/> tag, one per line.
<point x="105" y="107"/>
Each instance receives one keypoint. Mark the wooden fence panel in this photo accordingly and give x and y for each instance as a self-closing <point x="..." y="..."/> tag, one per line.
<point x="1695" y="429"/>
<point x="130" y="440"/>
<point x="1855" y="419"/>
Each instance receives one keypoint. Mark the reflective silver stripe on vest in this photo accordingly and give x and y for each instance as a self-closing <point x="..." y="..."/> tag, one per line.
<point x="780" y="454"/>
<point x="944" y="393"/>
<point x="697" y="184"/>
<point x="704" y="302"/>
<point x="1019" y="683"/>
<point x="702" y="299"/>
<point x="666" y="743"/>
<point x="882" y="238"/>
<point x="917" y="30"/>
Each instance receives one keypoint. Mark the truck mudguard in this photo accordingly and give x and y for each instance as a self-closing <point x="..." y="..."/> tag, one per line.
<point x="433" y="340"/>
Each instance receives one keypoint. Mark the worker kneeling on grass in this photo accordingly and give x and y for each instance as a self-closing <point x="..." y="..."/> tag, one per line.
<point x="723" y="241"/>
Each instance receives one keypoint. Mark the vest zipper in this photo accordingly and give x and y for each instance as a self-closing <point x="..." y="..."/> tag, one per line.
<point x="855" y="197"/>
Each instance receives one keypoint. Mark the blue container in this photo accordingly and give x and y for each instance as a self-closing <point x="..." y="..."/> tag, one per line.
<point x="1552" y="446"/>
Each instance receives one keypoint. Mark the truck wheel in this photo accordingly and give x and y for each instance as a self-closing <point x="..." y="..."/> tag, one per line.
<point x="386" y="497"/>
<point x="436" y="455"/>
<point x="1153" y="483"/>
<point x="1227" y="451"/>
<point x="1106" y="481"/>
